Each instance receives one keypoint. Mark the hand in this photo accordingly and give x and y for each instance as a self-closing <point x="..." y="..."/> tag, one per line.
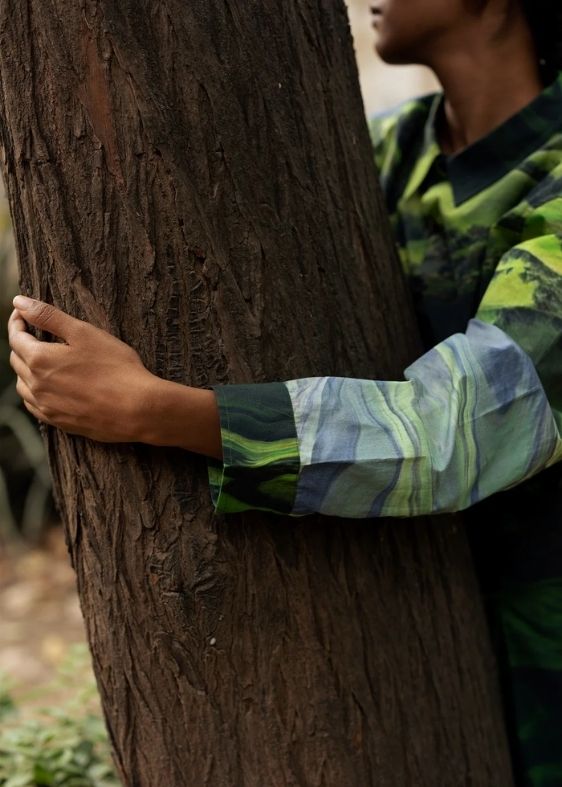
<point x="93" y="385"/>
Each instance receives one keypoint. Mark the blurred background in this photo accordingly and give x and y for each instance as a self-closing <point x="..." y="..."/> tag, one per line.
<point x="39" y="613"/>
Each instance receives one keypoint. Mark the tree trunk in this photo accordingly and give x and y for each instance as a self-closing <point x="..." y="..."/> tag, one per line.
<point x="196" y="177"/>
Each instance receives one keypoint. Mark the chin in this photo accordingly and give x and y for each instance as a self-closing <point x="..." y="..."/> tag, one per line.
<point x="393" y="54"/>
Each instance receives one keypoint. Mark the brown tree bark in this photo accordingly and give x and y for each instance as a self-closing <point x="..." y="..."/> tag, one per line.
<point x="196" y="177"/>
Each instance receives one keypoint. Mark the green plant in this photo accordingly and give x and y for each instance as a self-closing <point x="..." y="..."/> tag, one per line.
<point x="64" y="746"/>
<point x="21" y="448"/>
<point x="24" y="505"/>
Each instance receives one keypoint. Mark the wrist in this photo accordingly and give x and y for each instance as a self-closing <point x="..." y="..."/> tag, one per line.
<point x="175" y="415"/>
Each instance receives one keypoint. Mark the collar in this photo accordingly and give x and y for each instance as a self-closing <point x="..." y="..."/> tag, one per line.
<point x="491" y="157"/>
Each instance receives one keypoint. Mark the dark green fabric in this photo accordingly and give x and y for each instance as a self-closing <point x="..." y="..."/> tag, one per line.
<point x="257" y="472"/>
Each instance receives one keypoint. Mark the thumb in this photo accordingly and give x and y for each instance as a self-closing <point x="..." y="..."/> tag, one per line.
<point x="46" y="317"/>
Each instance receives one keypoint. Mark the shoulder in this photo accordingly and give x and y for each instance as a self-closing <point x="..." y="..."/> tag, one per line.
<point x="398" y="128"/>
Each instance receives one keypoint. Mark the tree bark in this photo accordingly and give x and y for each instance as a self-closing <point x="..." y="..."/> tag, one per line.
<point x="196" y="177"/>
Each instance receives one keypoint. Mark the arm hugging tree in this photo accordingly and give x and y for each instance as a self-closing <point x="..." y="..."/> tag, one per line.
<point x="197" y="179"/>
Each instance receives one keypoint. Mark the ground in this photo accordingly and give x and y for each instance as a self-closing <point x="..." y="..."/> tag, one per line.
<point x="40" y="616"/>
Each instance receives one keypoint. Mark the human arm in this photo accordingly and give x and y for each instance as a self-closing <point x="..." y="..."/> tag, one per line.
<point x="95" y="385"/>
<point x="481" y="412"/>
<point x="478" y="413"/>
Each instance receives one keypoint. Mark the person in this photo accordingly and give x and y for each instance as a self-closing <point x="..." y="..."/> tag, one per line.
<point x="472" y="178"/>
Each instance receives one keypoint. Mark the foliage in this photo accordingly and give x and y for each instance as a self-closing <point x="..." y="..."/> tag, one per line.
<point x="66" y="746"/>
<point x="23" y="465"/>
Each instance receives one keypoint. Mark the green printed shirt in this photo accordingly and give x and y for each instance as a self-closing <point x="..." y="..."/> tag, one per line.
<point x="476" y="422"/>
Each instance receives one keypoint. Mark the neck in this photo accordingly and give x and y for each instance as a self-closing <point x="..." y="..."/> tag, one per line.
<point x="485" y="86"/>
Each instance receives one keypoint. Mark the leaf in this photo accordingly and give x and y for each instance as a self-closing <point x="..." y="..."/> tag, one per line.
<point x="7" y="706"/>
<point x="19" y="780"/>
<point x="42" y="776"/>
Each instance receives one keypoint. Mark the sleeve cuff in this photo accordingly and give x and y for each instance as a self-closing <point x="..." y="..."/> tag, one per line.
<point x="261" y="460"/>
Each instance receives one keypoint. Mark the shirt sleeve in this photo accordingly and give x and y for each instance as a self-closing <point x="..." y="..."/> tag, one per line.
<point x="479" y="413"/>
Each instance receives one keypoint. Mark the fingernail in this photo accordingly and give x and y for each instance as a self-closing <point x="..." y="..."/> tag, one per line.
<point x="23" y="302"/>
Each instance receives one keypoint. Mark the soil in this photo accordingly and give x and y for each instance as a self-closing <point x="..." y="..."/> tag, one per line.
<point x="40" y="616"/>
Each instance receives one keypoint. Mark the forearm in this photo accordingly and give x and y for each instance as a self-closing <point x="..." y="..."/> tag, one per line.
<point x="180" y="416"/>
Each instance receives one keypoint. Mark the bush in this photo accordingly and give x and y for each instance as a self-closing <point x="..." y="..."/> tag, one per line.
<point x="63" y="746"/>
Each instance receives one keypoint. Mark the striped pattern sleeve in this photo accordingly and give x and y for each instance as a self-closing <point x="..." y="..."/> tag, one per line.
<point x="470" y="419"/>
<point x="478" y="413"/>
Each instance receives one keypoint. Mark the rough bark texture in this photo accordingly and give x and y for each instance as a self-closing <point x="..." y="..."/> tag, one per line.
<point x="196" y="177"/>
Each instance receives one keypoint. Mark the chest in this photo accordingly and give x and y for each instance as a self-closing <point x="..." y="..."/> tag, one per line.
<point x="449" y="253"/>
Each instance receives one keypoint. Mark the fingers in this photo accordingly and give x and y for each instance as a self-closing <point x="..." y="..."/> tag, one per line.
<point x="36" y="413"/>
<point x="48" y="318"/>
<point x="20" y="368"/>
<point x="29" y="400"/>
<point x="16" y="322"/>
<point x="21" y="342"/>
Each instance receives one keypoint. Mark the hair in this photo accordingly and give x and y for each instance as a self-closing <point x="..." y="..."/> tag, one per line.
<point x="545" y="21"/>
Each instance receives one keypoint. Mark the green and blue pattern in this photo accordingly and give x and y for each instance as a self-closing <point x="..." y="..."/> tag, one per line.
<point x="260" y="449"/>
<point x="441" y="441"/>
<point x="476" y="422"/>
